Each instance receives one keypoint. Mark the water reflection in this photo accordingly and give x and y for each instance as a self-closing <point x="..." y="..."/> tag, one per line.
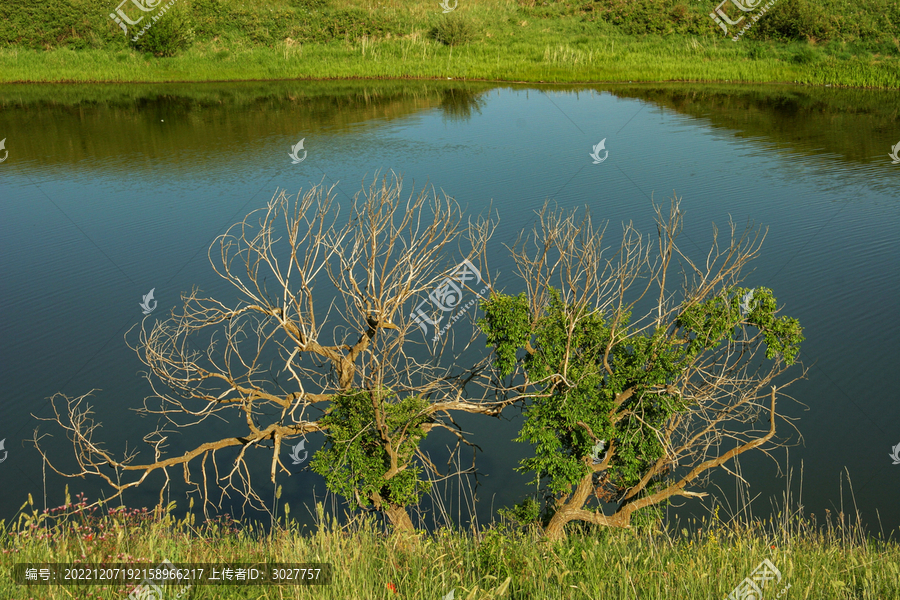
<point x="110" y="191"/>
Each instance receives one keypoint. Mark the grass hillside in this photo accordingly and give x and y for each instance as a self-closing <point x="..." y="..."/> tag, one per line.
<point x="841" y="26"/>
<point x="829" y="41"/>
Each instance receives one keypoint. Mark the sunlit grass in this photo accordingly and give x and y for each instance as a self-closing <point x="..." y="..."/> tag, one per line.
<point x="833" y="559"/>
<point x="541" y="58"/>
<point x="513" y="40"/>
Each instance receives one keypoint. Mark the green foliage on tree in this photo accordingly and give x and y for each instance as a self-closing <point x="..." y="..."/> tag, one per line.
<point x="587" y="395"/>
<point x="711" y="321"/>
<point x="355" y="461"/>
<point x="610" y="406"/>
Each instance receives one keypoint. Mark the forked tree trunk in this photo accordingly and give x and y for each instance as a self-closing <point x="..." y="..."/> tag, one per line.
<point x="571" y="510"/>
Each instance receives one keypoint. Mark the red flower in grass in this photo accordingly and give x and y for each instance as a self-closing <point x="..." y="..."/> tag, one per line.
<point x="392" y="587"/>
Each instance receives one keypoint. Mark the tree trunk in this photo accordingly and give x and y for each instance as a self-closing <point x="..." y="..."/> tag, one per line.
<point x="572" y="510"/>
<point x="556" y="528"/>
<point x="399" y="518"/>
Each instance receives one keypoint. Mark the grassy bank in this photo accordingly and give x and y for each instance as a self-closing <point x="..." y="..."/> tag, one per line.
<point x="833" y="42"/>
<point x="830" y="560"/>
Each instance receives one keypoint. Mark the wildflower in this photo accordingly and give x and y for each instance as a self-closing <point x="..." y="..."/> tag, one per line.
<point x="392" y="587"/>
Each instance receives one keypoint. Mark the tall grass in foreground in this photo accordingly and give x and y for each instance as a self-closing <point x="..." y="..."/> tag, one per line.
<point x="834" y="559"/>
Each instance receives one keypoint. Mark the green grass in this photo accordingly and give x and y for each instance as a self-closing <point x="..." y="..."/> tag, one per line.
<point x="831" y="560"/>
<point x="617" y="58"/>
<point x="829" y="42"/>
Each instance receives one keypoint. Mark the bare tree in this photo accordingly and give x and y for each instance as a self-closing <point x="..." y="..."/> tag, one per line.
<point x="634" y="411"/>
<point x="324" y="301"/>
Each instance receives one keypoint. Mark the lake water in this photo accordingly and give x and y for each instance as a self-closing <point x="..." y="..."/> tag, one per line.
<point x="109" y="191"/>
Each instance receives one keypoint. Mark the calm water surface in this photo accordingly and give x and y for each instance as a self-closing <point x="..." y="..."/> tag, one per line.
<point x="110" y="191"/>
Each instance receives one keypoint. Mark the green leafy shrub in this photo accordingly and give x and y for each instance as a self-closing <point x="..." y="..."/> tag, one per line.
<point x="453" y="30"/>
<point x="795" y="20"/>
<point x="660" y="17"/>
<point x="74" y="24"/>
<point x="168" y="35"/>
<point x="348" y="24"/>
<point x="355" y="23"/>
<point x="307" y="21"/>
<point x="679" y="13"/>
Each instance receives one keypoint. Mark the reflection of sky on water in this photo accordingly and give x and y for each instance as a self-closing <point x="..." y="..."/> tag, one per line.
<point x="84" y="238"/>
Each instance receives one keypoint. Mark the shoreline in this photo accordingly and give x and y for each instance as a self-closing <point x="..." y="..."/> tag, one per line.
<point x="620" y="60"/>
<point x="432" y="79"/>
